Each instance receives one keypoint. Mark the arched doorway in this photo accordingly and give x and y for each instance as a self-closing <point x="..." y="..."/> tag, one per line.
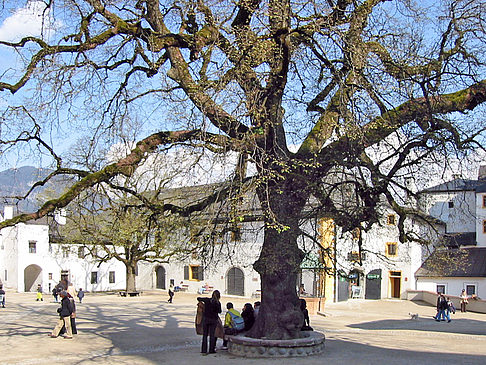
<point x="160" y="277"/>
<point x="235" y="280"/>
<point x="32" y="277"/>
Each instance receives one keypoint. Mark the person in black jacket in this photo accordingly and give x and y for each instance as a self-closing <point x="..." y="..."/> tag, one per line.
<point x="442" y="307"/>
<point x="248" y="315"/>
<point x="212" y="308"/>
<point x="65" y="312"/>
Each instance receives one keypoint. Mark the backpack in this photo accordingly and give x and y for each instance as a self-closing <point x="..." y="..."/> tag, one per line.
<point x="237" y="322"/>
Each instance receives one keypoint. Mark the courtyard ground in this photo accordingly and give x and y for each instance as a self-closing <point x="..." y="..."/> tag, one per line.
<point x="148" y="330"/>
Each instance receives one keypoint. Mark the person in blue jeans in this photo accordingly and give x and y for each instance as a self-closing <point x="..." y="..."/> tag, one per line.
<point x="442" y="309"/>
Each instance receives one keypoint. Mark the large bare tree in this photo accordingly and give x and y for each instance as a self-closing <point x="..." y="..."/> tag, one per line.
<point x="371" y="89"/>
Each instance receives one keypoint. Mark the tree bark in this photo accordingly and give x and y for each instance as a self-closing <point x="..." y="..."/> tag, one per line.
<point x="280" y="316"/>
<point x="131" y="269"/>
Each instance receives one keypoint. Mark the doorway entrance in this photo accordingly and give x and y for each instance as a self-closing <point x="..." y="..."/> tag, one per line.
<point x="32" y="277"/>
<point x="160" y="277"/>
<point x="235" y="281"/>
<point x="395" y="282"/>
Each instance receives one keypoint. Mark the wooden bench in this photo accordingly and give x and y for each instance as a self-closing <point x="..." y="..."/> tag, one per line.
<point x="257" y="294"/>
<point x="129" y="293"/>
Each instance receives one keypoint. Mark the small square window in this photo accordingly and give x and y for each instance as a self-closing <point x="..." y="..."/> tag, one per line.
<point x="356" y="233"/>
<point x="470" y="289"/>
<point x="441" y="289"/>
<point x="391" y="220"/>
<point x="32" y="246"/>
<point x="111" y="277"/>
<point x="391" y="249"/>
<point x="195" y="273"/>
<point x="94" y="277"/>
<point x="484" y="226"/>
<point x="81" y="254"/>
<point x="50" y="276"/>
<point x="451" y="204"/>
<point x="484" y="201"/>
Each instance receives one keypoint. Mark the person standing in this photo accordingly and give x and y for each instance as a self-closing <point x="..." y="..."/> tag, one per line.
<point x="80" y="295"/>
<point x="2" y="296"/>
<point x="65" y="312"/>
<point x="464" y="300"/>
<point x="212" y="308"/>
<point x="39" y="293"/>
<point x="171" y="292"/>
<point x="54" y="294"/>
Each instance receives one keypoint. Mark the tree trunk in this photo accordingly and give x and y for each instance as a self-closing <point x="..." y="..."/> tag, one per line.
<point x="280" y="316"/>
<point x="131" y="269"/>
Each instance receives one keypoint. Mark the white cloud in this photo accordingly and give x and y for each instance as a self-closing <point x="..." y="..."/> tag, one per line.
<point x="31" y="20"/>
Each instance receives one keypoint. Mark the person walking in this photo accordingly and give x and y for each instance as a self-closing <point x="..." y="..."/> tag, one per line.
<point x="55" y="294"/>
<point x="464" y="301"/>
<point x="171" y="292"/>
<point x="80" y="295"/>
<point x="65" y="312"/>
<point x="442" y="307"/>
<point x="212" y="308"/>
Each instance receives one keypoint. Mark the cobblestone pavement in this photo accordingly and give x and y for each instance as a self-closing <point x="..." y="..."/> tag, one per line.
<point x="148" y="330"/>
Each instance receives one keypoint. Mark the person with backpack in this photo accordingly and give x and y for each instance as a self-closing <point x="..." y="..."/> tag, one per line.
<point x="233" y="323"/>
<point x="65" y="312"/>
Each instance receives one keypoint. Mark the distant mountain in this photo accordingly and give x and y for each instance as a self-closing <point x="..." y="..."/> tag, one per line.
<point x="18" y="181"/>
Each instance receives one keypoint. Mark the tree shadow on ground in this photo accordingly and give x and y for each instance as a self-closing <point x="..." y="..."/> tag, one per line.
<point x="457" y="326"/>
<point x="351" y="352"/>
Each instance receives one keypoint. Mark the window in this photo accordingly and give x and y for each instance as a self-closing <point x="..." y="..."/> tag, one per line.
<point x="94" y="277"/>
<point x="50" y="276"/>
<point x="391" y="249"/>
<point x="484" y="226"/>
<point x="391" y="220"/>
<point x="441" y="288"/>
<point x="356" y="233"/>
<point x="451" y="204"/>
<point x="111" y="277"/>
<point x="65" y="252"/>
<point x="50" y="247"/>
<point x="32" y="246"/>
<point x="484" y="201"/>
<point x="81" y="254"/>
<point x="193" y="272"/>
<point x="354" y="256"/>
<point x="5" y="278"/>
<point x="471" y="289"/>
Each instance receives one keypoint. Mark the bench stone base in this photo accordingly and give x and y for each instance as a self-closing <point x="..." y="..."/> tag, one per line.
<point x="312" y="344"/>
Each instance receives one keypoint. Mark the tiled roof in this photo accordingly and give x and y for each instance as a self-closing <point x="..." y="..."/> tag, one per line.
<point x="463" y="262"/>
<point x="457" y="185"/>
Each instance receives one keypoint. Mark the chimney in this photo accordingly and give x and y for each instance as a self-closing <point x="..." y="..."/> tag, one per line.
<point x="8" y="212"/>
<point x="482" y="172"/>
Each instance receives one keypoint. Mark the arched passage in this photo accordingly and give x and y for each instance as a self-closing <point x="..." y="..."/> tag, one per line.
<point x="235" y="280"/>
<point x="160" y="277"/>
<point x="32" y="277"/>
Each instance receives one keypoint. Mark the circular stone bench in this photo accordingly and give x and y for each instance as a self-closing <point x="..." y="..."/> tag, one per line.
<point x="311" y="344"/>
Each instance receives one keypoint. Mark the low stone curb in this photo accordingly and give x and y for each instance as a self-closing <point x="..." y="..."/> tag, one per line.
<point x="244" y="346"/>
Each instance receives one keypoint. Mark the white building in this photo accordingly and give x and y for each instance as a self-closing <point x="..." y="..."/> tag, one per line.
<point x="461" y="204"/>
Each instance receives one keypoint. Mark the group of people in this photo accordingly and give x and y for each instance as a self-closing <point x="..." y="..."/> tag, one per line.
<point x="63" y="285"/>
<point x="66" y="325"/>
<point x="445" y="306"/>
<point x="234" y="321"/>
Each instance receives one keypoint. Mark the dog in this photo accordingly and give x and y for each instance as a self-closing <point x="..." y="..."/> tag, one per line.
<point x="413" y="315"/>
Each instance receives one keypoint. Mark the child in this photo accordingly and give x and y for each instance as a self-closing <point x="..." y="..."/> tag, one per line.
<point x="80" y="294"/>
<point x="39" y="293"/>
